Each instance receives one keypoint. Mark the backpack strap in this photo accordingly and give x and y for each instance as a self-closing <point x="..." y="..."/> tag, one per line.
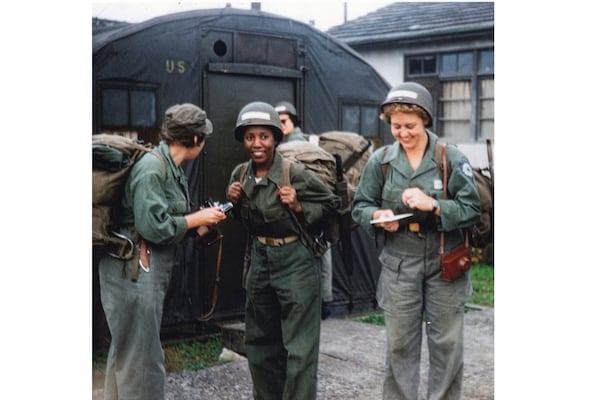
<point x="286" y="172"/>
<point x="385" y="168"/>
<point x="162" y="161"/>
<point x="244" y="171"/>
<point x="141" y="249"/>
<point x="439" y="154"/>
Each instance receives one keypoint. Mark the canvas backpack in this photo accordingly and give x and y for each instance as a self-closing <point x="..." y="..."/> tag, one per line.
<point x="482" y="233"/>
<point x="354" y="151"/>
<point x="323" y="164"/>
<point x="113" y="156"/>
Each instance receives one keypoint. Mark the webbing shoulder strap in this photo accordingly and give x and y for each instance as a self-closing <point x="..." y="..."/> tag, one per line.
<point x="137" y="239"/>
<point x="286" y="172"/>
<point x="162" y="161"/>
<point x="244" y="171"/>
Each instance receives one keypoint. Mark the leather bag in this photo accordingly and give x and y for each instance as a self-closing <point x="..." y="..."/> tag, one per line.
<point x="456" y="262"/>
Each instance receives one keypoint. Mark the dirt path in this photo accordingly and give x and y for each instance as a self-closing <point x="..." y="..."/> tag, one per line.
<point x="350" y="365"/>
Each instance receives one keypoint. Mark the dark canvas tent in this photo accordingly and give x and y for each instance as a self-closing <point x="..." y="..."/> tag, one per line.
<point x="222" y="59"/>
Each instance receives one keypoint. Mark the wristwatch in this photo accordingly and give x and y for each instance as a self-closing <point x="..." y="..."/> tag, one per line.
<point x="436" y="205"/>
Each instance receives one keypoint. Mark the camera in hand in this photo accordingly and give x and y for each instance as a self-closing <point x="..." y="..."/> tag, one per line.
<point x="207" y="236"/>
<point x="225" y="207"/>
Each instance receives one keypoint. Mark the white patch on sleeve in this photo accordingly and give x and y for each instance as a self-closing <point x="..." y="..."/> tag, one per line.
<point x="466" y="169"/>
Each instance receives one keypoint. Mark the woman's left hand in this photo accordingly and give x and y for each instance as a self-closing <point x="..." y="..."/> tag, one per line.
<point x="287" y="194"/>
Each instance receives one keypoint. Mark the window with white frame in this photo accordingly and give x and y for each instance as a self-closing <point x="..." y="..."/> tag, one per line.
<point x="464" y="94"/>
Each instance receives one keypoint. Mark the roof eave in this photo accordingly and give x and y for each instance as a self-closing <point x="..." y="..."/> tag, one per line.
<point x="417" y="35"/>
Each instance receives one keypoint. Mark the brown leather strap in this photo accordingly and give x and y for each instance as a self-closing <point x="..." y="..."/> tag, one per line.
<point x="144" y="253"/>
<point x="445" y="195"/>
<point x="445" y="188"/>
<point x="215" y="296"/>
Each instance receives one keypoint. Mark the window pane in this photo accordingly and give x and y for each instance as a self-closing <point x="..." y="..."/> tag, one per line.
<point x="448" y="63"/>
<point x="486" y="108"/>
<point x="486" y="61"/>
<point x="414" y="66"/>
<point x="465" y="62"/>
<point x="259" y="49"/>
<point x="369" y="121"/>
<point x="429" y="65"/>
<point x="456" y="110"/>
<point x="114" y="107"/>
<point x="455" y="130"/>
<point x="350" y="118"/>
<point x="487" y="130"/>
<point x="143" y="109"/>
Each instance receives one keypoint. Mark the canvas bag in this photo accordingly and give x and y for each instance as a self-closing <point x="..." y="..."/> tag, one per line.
<point x="113" y="156"/>
<point x="354" y="151"/>
<point x="323" y="164"/>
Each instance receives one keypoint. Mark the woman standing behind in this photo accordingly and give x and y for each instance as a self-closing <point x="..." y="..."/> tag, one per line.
<point x="156" y="208"/>
<point x="282" y="284"/>
<point x="410" y="289"/>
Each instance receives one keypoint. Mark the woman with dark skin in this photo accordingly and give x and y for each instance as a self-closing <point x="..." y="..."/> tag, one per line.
<point x="283" y="280"/>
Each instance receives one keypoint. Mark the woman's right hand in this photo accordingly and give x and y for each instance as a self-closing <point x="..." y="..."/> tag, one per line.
<point x="234" y="192"/>
<point x="205" y="216"/>
<point x="391" y="226"/>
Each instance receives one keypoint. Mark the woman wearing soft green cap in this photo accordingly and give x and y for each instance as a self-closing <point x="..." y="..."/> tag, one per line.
<point x="156" y="214"/>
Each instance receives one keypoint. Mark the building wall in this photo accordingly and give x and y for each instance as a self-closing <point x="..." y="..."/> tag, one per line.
<point x="389" y="63"/>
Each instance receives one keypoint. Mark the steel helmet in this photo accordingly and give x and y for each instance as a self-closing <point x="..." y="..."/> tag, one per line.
<point x="284" y="106"/>
<point x="258" y="113"/>
<point x="411" y="93"/>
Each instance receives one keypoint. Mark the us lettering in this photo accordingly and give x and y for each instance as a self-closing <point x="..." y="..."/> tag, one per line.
<point x="175" y="66"/>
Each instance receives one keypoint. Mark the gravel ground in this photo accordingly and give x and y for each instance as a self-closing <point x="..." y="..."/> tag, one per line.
<point x="350" y="365"/>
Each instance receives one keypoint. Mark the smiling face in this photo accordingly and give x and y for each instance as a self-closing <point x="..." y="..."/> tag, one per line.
<point x="408" y="129"/>
<point x="259" y="143"/>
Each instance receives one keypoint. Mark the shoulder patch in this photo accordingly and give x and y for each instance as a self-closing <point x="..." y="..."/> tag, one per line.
<point x="466" y="169"/>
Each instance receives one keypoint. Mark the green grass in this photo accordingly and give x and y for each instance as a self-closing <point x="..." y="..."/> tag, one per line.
<point x="191" y="356"/>
<point x="373" y="318"/>
<point x="482" y="279"/>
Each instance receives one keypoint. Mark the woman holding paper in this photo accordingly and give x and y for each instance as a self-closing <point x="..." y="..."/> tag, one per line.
<point x="402" y="178"/>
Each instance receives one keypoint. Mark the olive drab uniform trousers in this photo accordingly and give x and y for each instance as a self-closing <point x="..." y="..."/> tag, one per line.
<point x="283" y="321"/>
<point x="410" y="290"/>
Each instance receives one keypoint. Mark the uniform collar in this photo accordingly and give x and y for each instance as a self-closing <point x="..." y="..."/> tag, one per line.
<point x="396" y="157"/>
<point x="275" y="173"/>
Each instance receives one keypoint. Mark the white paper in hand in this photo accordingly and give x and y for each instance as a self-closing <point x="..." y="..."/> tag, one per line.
<point x="390" y="218"/>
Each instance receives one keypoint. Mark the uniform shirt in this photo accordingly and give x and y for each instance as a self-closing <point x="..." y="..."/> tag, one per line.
<point x="154" y="204"/>
<point x="295" y="135"/>
<point x="459" y="210"/>
<point x="261" y="208"/>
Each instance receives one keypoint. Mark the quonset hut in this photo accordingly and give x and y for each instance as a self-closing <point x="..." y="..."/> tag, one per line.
<point x="222" y="59"/>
